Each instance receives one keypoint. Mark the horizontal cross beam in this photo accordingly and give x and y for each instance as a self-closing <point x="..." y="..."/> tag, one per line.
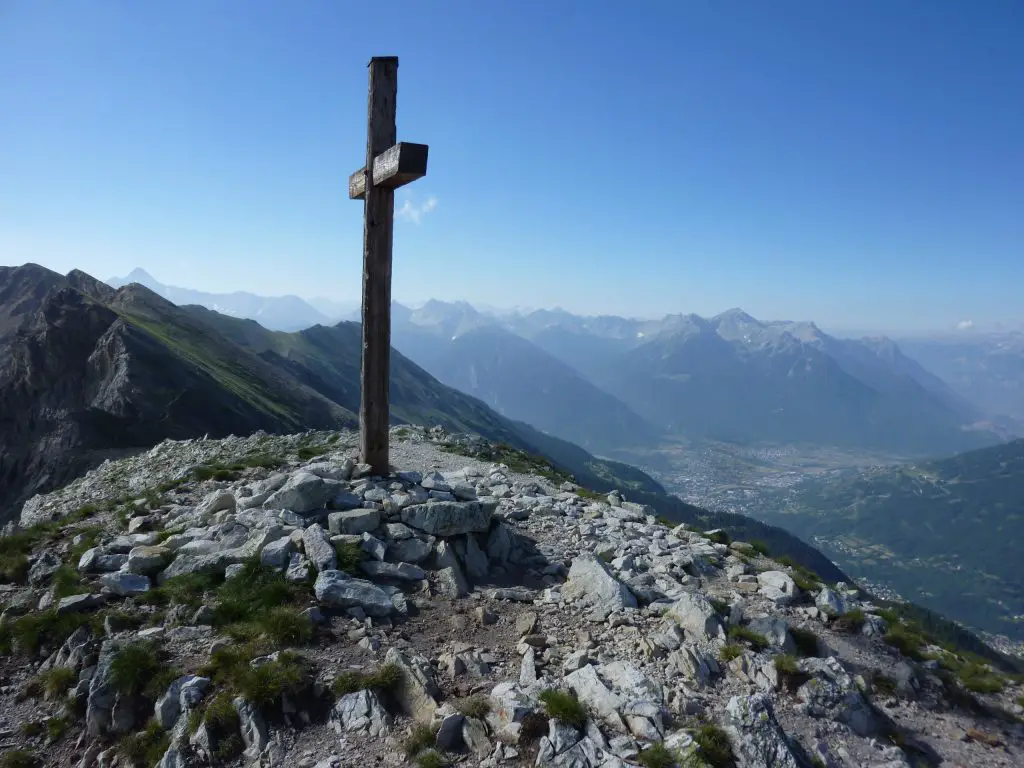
<point x="392" y="168"/>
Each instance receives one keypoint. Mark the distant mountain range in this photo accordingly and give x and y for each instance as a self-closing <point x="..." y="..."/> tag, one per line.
<point x="945" y="534"/>
<point x="611" y="383"/>
<point x="277" y="313"/>
<point x="615" y="382"/>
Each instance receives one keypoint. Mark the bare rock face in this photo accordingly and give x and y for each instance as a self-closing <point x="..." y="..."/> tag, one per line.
<point x="756" y="737"/>
<point x="417" y="692"/>
<point x="448" y="518"/>
<point x="591" y="581"/>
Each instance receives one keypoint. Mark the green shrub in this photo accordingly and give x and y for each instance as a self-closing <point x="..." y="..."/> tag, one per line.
<point x="564" y="706"/>
<point x="721" y="607"/>
<point x="384" y="680"/>
<point x="139" y="668"/>
<point x="284" y="626"/>
<point x="67" y="581"/>
<point x="714" y="746"/>
<point x="229" y="747"/>
<point x="32" y="729"/>
<point x="719" y="537"/>
<point x="14" y="567"/>
<point x="585" y="493"/>
<point x="57" y="681"/>
<point x="850" y="623"/>
<point x="789" y="672"/>
<point x="978" y="678"/>
<point x="312" y="451"/>
<point x="474" y="706"/>
<point x="744" y="634"/>
<point x="661" y="519"/>
<point x="253" y="593"/>
<point x="431" y="758"/>
<point x="657" y="756"/>
<point x="805" y="640"/>
<point x="56" y="727"/>
<point x="905" y="641"/>
<point x="730" y="651"/>
<point x="421" y="738"/>
<point x="187" y="589"/>
<point x="145" y="748"/>
<point x="760" y="547"/>
<point x="807" y="583"/>
<point x="349" y="555"/>
<point x="18" y="758"/>
<point x="28" y="633"/>
<point x="265" y="684"/>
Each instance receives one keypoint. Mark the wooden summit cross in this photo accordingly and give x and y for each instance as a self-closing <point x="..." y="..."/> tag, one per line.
<point x="393" y="165"/>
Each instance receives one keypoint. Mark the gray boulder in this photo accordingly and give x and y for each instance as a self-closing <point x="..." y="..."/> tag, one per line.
<point x="148" y="560"/>
<point x="253" y="727"/>
<point x="319" y="549"/>
<point x="303" y="492"/>
<point x="591" y="581"/>
<point x="757" y="740"/>
<point x="417" y="692"/>
<point x="43" y="568"/>
<point x="80" y="604"/>
<point x="696" y="616"/>
<point x="448" y="518"/>
<point x="125" y="584"/>
<point x="361" y="711"/>
<point x="277" y="553"/>
<point x="411" y="550"/>
<point x="337" y="589"/>
<point x="354" y="522"/>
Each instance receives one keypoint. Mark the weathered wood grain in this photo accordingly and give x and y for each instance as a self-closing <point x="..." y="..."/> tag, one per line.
<point x="378" y="227"/>
<point x="393" y="168"/>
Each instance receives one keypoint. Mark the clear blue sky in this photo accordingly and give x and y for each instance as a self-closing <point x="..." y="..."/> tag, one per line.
<point x="856" y="163"/>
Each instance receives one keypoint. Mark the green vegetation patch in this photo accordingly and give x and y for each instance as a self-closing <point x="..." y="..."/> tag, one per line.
<point x="140" y="668"/>
<point x="478" y="706"/>
<point x="755" y="640"/>
<point x="790" y="675"/>
<point x="384" y="680"/>
<point x="851" y="623"/>
<point x="231" y="671"/>
<point x="730" y="651"/>
<point x="349" y="556"/>
<point x="56" y="681"/>
<point x="145" y="748"/>
<point x="422" y="737"/>
<point x="564" y="706"/>
<point x="18" y="758"/>
<point x="27" y="634"/>
<point x="714" y="746"/>
<point x="657" y="756"/>
<point x="431" y="758"/>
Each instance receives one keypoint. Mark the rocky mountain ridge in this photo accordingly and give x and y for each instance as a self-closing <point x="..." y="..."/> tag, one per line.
<point x="264" y="601"/>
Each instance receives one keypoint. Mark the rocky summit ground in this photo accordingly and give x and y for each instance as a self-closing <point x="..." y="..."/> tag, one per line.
<point x="264" y="601"/>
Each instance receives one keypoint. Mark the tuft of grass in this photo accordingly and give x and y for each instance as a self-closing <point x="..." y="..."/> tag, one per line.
<point x="139" y="668"/>
<point x="252" y="594"/>
<point x="145" y="748"/>
<point x="564" y="706"/>
<point x="978" y="678"/>
<point x="18" y="758"/>
<point x="265" y="684"/>
<point x="586" y="493"/>
<point x="714" y="746"/>
<point x="349" y="556"/>
<point x="719" y="537"/>
<point x="431" y="758"/>
<point x="281" y="625"/>
<point x="474" y="706"/>
<point x="657" y="756"/>
<point x="760" y="547"/>
<point x="850" y="623"/>
<point x="754" y="639"/>
<point x="662" y="520"/>
<point x="789" y="672"/>
<point x="67" y="581"/>
<point x="384" y="680"/>
<point x="307" y="452"/>
<point x="721" y="607"/>
<point x="730" y="651"/>
<point x="422" y="737"/>
<point x="805" y="640"/>
<point x="27" y="634"/>
<point x="14" y="567"/>
<point x="906" y="641"/>
<point x="32" y="729"/>
<point x="187" y="589"/>
<point x="56" y="727"/>
<point x="57" y="681"/>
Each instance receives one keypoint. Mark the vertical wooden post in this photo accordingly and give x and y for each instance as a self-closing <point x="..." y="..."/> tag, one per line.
<point x="378" y="226"/>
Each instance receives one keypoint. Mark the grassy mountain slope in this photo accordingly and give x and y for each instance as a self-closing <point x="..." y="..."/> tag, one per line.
<point x="943" y="533"/>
